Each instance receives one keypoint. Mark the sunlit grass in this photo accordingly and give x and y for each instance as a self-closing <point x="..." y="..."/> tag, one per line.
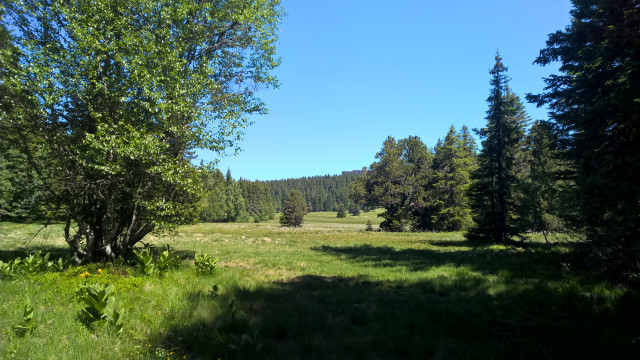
<point x="326" y="290"/>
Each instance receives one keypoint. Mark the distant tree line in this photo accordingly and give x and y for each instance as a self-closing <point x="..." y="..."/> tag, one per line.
<point x="228" y="200"/>
<point x="321" y="193"/>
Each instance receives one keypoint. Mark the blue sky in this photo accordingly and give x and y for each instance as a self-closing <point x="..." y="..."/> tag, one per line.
<point x="354" y="72"/>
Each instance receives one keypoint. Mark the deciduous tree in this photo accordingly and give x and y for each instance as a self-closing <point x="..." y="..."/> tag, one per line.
<point x="124" y="92"/>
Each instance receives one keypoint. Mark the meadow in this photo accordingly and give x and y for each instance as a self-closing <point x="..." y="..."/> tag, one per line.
<point x="328" y="290"/>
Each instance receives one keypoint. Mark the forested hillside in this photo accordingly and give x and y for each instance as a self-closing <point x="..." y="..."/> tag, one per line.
<point x="228" y="200"/>
<point x="322" y="193"/>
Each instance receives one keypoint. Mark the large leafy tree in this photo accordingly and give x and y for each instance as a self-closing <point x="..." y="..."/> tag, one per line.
<point x="595" y="102"/>
<point x="122" y="92"/>
<point x="500" y="163"/>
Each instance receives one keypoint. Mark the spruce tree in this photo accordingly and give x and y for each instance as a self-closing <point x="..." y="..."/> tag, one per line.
<point x="542" y="195"/>
<point x="213" y="204"/>
<point x="494" y="183"/>
<point x="295" y="208"/>
<point x="595" y="102"/>
<point x="258" y="199"/>
<point x="342" y="213"/>
<point x="236" y="207"/>
<point x="454" y="159"/>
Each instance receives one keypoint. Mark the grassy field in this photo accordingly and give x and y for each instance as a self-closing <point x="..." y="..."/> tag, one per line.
<point x="328" y="290"/>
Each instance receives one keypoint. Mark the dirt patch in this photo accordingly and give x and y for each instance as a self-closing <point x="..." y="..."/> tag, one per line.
<point x="238" y="264"/>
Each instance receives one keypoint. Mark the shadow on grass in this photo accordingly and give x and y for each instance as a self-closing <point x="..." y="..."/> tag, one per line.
<point x="529" y="245"/>
<point x="63" y="251"/>
<point x="314" y="317"/>
<point x="520" y="263"/>
<point x="56" y="252"/>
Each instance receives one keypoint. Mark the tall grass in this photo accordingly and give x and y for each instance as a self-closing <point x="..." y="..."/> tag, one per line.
<point x="326" y="290"/>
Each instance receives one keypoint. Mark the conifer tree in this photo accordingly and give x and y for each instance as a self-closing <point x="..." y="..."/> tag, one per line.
<point x="454" y="159"/>
<point x="213" y="204"/>
<point x="236" y="207"/>
<point x="543" y="191"/>
<point x="494" y="182"/>
<point x="595" y="102"/>
<point x="396" y="182"/>
<point x="258" y="199"/>
<point x="294" y="210"/>
<point x="342" y="213"/>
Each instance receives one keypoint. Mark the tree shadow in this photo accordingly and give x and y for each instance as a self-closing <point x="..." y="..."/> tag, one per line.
<point x="446" y="243"/>
<point x="315" y="317"/>
<point x="184" y="254"/>
<point x="529" y="245"/>
<point x="523" y="263"/>
<point x="56" y="252"/>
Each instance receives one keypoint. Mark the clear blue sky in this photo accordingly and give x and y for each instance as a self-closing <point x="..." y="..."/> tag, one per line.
<point x="354" y="72"/>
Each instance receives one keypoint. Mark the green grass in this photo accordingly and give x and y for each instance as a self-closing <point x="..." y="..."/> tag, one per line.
<point x="328" y="290"/>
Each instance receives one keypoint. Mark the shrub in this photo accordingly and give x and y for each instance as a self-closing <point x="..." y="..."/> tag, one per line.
<point x="27" y="325"/>
<point x="97" y="297"/>
<point x="151" y="264"/>
<point x="205" y="264"/>
<point x="6" y="270"/>
<point x="144" y="258"/>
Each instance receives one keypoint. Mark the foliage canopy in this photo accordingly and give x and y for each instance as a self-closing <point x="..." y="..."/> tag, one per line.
<point x="120" y="93"/>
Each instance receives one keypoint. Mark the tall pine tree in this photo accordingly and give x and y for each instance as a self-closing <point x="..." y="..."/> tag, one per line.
<point x="494" y="182"/>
